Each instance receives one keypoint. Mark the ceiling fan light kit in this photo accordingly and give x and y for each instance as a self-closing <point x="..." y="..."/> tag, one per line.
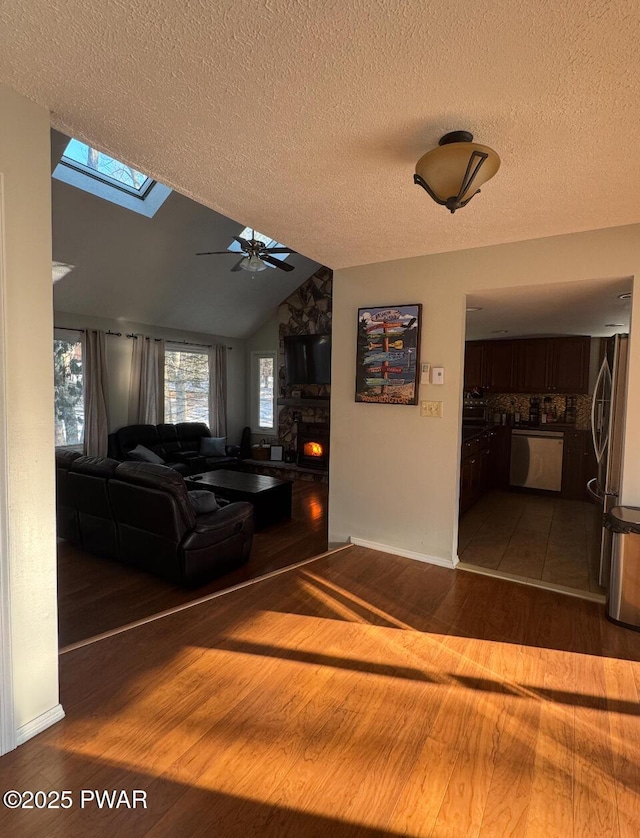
<point x="454" y="172"/>
<point x="253" y="264"/>
<point x="256" y="255"/>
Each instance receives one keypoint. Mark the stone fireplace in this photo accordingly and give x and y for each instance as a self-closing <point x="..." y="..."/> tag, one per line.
<point x="313" y="444"/>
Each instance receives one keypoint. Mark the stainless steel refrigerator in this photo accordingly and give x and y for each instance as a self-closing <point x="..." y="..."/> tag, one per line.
<point x="607" y="426"/>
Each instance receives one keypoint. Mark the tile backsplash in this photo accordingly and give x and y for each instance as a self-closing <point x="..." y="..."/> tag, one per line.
<point x="519" y="403"/>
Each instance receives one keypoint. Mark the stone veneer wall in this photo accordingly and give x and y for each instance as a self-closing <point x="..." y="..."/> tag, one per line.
<point x="519" y="403"/>
<point x="306" y="312"/>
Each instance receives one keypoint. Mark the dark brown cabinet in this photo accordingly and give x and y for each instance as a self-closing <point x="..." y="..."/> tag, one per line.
<point x="578" y="464"/>
<point x="529" y="365"/>
<point x="474" y="364"/>
<point x="484" y="464"/>
<point x="569" y="365"/>
<point x="499" y="365"/>
<point x="489" y="364"/>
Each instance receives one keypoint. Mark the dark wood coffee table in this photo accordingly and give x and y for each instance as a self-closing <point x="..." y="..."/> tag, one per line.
<point x="271" y="498"/>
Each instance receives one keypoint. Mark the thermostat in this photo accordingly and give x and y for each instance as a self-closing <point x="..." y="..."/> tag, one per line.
<point x="437" y="375"/>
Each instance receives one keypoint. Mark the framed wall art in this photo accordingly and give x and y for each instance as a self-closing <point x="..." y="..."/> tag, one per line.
<point x="387" y="354"/>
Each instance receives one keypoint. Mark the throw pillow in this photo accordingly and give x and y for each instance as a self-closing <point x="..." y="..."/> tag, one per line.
<point x="213" y="446"/>
<point x="144" y="455"/>
<point x="203" y="501"/>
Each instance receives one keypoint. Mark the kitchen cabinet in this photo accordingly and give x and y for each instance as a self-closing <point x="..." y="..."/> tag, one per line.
<point x="529" y="365"/>
<point x="500" y="458"/>
<point x="484" y="464"/>
<point x="578" y="464"/>
<point x="499" y="365"/>
<point x="489" y="364"/>
<point x="568" y="366"/>
<point x="474" y="364"/>
<point x="473" y="471"/>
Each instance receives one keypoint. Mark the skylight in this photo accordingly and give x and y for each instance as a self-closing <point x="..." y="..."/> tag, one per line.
<point x="249" y="233"/>
<point x="95" y="172"/>
<point x="99" y="165"/>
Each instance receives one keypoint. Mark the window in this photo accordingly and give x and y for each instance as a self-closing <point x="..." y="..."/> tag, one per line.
<point x="94" y="171"/>
<point x="186" y="385"/>
<point x="68" y="385"/>
<point x="249" y="233"/>
<point x="263" y="389"/>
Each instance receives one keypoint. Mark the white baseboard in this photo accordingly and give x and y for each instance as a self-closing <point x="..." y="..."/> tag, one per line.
<point x="40" y="723"/>
<point x="407" y="554"/>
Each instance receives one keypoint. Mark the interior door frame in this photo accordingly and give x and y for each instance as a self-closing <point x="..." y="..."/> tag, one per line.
<point x="8" y="738"/>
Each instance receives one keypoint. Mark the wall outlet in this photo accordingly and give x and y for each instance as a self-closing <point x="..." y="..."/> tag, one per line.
<point x="431" y="409"/>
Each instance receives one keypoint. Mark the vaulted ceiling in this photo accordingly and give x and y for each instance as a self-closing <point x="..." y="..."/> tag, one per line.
<point x="144" y="270"/>
<point x="305" y="120"/>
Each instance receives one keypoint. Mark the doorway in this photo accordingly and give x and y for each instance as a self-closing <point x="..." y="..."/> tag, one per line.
<point x="531" y="362"/>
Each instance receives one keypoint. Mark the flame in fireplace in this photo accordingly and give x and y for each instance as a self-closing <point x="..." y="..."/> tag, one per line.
<point x="313" y="449"/>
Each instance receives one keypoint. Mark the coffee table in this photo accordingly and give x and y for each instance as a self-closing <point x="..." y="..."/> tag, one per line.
<point x="271" y="498"/>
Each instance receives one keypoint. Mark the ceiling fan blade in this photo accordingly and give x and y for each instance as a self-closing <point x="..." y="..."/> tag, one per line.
<point x="278" y="250"/>
<point x="244" y="244"/>
<point x="217" y="253"/>
<point x="277" y="263"/>
<point x="237" y="267"/>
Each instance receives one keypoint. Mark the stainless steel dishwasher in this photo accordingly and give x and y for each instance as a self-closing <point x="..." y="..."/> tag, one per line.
<point x="536" y="459"/>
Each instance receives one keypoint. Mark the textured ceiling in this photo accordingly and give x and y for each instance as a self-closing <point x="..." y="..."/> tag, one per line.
<point x="574" y="308"/>
<point x="306" y="119"/>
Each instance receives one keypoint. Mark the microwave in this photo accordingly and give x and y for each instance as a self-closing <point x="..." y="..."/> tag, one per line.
<point x="475" y="412"/>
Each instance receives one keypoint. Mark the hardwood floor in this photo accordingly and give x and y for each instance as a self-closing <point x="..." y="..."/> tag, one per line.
<point x="534" y="537"/>
<point x="360" y="695"/>
<point x="97" y="595"/>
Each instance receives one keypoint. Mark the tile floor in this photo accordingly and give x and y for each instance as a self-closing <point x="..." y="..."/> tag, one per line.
<point x="534" y="537"/>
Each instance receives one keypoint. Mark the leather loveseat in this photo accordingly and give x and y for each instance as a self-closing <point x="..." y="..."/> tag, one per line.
<point x="179" y="446"/>
<point x="140" y="514"/>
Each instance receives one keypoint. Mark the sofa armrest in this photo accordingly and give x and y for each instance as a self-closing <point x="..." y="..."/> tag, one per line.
<point x="220" y="525"/>
<point x="224" y="517"/>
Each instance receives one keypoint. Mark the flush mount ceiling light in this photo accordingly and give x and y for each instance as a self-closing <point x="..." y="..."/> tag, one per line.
<point x="474" y="308"/>
<point x="625" y="296"/>
<point x="454" y="172"/>
<point x="500" y="332"/>
<point x="614" y="325"/>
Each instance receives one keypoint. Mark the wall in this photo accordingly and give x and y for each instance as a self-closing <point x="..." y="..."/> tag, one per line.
<point x="394" y="476"/>
<point x="27" y="412"/>
<point x="119" y="351"/>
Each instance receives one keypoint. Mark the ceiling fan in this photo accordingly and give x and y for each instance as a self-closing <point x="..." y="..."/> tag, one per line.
<point x="256" y="255"/>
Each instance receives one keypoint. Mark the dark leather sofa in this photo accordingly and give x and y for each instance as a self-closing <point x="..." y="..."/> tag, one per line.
<point x="140" y="514"/>
<point x="178" y="445"/>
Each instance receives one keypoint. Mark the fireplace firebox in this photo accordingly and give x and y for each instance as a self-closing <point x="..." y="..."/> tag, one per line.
<point x="313" y="444"/>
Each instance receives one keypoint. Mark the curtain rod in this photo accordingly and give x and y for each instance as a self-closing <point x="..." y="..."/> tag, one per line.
<point x="71" y="329"/>
<point x="186" y="342"/>
<point x="135" y="337"/>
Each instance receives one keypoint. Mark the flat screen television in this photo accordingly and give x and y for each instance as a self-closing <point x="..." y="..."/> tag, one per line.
<point x="307" y="359"/>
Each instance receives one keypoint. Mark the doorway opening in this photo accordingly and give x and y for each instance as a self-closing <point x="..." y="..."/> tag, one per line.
<point x="532" y="361"/>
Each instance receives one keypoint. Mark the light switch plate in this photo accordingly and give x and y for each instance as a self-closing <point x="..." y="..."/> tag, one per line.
<point x="425" y="369"/>
<point x="432" y="410"/>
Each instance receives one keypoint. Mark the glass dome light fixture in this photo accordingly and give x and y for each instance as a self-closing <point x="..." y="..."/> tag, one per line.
<point x="253" y="264"/>
<point x="454" y="172"/>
